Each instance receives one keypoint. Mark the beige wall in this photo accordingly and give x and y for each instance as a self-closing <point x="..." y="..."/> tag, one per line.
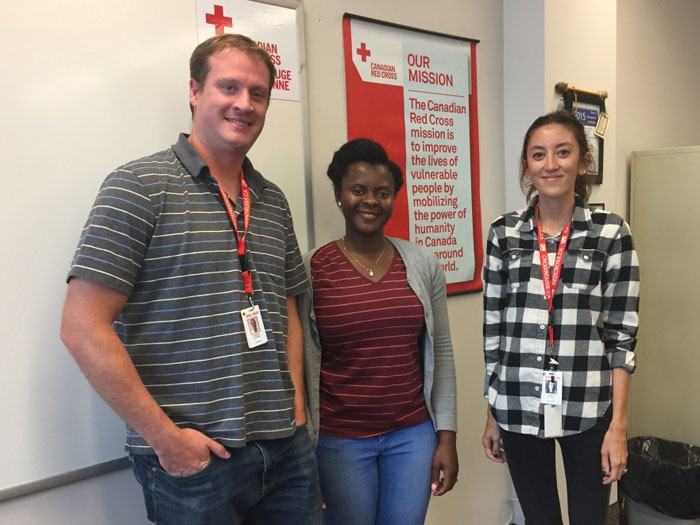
<point x="658" y="67"/>
<point x="580" y="47"/>
<point x="658" y="64"/>
<point x="482" y="488"/>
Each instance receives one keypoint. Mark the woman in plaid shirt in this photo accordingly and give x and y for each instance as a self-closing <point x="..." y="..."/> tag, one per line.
<point x="559" y="354"/>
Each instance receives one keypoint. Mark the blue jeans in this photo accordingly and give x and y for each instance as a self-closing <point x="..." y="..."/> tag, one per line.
<point x="266" y="482"/>
<point x="382" y="480"/>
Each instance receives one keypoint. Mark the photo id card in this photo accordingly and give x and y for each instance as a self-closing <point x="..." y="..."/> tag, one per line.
<point x="253" y="325"/>
<point x="551" y="387"/>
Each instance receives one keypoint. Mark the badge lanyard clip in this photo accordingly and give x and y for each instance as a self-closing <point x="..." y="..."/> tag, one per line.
<point x="245" y="273"/>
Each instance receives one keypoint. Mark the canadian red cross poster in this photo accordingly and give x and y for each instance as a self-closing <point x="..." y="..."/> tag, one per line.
<point x="414" y="92"/>
<point x="272" y="27"/>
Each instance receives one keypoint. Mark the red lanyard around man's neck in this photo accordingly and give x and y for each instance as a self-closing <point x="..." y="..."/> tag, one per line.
<point x="245" y="197"/>
<point x="550" y="282"/>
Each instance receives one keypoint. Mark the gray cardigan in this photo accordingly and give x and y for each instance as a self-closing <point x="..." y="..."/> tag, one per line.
<point x="426" y="279"/>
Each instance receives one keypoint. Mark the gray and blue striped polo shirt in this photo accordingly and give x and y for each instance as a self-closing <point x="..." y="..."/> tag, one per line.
<point x="158" y="232"/>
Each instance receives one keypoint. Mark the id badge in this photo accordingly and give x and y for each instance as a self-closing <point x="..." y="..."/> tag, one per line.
<point x="551" y="387"/>
<point x="253" y="325"/>
<point x="552" y="421"/>
<point x="551" y="398"/>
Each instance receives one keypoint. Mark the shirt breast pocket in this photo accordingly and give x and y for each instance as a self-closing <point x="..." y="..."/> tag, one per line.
<point x="519" y="262"/>
<point x="583" y="269"/>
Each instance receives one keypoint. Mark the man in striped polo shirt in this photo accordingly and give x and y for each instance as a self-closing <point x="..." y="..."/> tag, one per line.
<point x="181" y="311"/>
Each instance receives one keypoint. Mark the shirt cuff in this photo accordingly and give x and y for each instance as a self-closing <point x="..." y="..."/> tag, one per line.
<point x="624" y="359"/>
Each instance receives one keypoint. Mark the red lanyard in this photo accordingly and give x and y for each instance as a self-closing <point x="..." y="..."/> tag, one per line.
<point x="550" y="282"/>
<point x="245" y="197"/>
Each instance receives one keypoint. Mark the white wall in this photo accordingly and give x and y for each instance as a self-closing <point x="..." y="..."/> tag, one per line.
<point x="523" y="86"/>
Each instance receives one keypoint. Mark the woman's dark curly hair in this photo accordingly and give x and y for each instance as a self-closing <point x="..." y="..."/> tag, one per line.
<point x="361" y="150"/>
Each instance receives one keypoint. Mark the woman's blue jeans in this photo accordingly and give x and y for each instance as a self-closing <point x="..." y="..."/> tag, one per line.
<point x="381" y="480"/>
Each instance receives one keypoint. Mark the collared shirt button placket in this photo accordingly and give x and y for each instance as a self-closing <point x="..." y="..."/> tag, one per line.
<point x="542" y="342"/>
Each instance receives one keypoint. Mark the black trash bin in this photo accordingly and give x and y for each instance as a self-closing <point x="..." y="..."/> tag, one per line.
<point x="663" y="475"/>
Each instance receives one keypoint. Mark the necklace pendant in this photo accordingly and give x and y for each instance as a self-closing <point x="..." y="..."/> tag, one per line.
<point x="371" y="273"/>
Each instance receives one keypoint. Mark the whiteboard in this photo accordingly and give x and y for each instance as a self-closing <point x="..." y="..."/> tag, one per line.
<point x="87" y="86"/>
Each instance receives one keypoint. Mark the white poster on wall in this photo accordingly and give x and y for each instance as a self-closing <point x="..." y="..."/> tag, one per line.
<point x="272" y="27"/>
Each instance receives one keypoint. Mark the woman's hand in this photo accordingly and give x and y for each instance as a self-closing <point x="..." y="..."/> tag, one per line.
<point x="614" y="453"/>
<point x="445" y="461"/>
<point x="492" y="439"/>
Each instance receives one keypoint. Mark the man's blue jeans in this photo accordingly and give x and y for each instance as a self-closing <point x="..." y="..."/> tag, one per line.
<point x="382" y="480"/>
<point x="266" y="482"/>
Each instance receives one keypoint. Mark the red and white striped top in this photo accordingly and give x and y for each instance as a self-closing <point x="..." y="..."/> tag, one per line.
<point x="371" y="366"/>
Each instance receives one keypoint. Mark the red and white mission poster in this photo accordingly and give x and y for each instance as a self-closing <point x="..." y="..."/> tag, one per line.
<point x="414" y="92"/>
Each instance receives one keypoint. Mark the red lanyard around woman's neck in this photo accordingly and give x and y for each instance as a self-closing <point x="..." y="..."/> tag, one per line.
<point x="550" y="282"/>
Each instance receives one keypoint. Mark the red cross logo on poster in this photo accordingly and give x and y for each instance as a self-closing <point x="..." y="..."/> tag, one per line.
<point x="218" y="20"/>
<point x="272" y="28"/>
<point x="363" y="52"/>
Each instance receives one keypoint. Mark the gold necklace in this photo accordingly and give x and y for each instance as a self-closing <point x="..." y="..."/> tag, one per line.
<point x="369" y="271"/>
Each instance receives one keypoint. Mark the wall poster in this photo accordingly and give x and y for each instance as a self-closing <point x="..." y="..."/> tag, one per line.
<point x="272" y="27"/>
<point x="414" y="92"/>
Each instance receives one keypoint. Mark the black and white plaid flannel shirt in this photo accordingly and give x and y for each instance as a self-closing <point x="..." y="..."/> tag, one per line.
<point x="594" y="317"/>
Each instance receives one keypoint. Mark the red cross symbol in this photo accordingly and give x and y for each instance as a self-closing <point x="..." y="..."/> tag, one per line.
<point x="364" y="52"/>
<point x="219" y="20"/>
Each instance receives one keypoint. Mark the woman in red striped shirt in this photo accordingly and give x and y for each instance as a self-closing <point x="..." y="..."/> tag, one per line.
<point x="379" y="364"/>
